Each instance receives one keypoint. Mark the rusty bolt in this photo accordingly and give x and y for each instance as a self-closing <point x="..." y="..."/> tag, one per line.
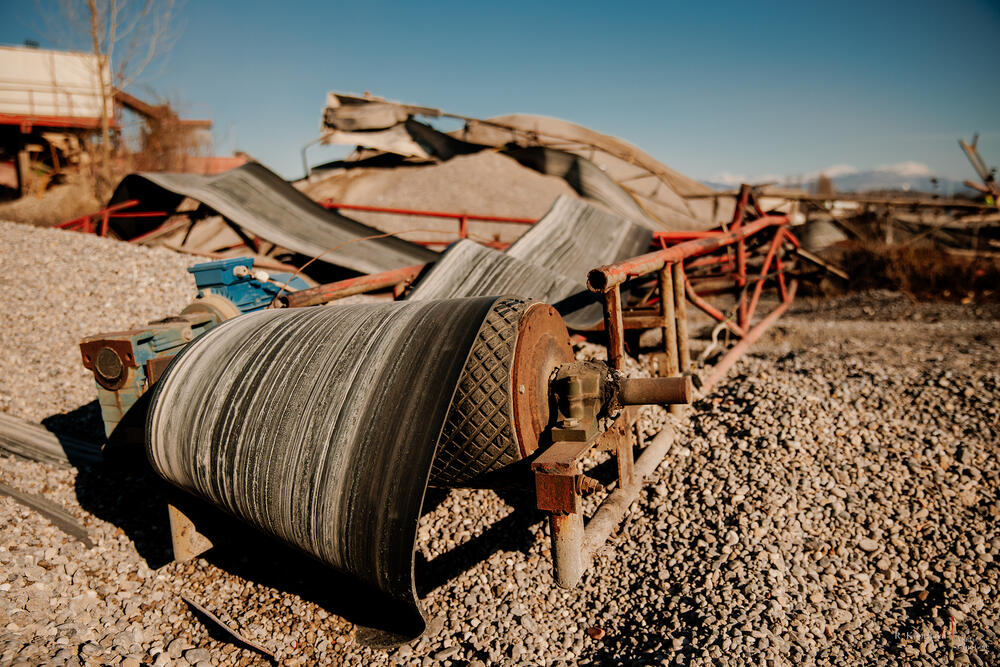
<point x="587" y="485"/>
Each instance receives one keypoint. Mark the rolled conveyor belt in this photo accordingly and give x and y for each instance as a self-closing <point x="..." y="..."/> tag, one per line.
<point x="322" y="426"/>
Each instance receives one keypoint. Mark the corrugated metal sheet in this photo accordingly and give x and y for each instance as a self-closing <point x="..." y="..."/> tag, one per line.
<point x="574" y="237"/>
<point x="469" y="269"/>
<point x="549" y="262"/>
<point x="265" y="205"/>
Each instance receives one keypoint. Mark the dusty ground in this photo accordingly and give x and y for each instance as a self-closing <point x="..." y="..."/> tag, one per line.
<point x="836" y="501"/>
<point x="54" y="205"/>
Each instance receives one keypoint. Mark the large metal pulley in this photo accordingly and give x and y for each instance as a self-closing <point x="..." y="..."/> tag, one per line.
<point x="324" y="426"/>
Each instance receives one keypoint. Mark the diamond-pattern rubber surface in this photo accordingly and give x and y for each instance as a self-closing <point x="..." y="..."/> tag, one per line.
<point x="478" y="434"/>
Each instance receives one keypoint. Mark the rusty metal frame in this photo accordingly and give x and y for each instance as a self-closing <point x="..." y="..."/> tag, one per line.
<point x="463" y="220"/>
<point x="559" y="480"/>
<point x="98" y="222"/>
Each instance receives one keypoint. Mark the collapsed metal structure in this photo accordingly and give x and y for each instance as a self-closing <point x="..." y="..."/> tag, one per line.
<point x="323" y="426"/>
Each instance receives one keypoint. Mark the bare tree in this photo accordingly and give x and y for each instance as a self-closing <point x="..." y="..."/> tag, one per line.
<point x="125" y="36"/>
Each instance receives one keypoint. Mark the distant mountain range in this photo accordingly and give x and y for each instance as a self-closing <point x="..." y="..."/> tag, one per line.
<point x="905" y="177"/>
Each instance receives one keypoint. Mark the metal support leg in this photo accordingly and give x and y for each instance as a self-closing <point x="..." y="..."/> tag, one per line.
<point x="567" y="548"/>
<point x="187" y="541"/>
<point x="666" y="280"/>
<point x="614" y="327"/>
<point x="680" y="310"/>
<point x="626" y="462"/>
<point x="668" y="310"/>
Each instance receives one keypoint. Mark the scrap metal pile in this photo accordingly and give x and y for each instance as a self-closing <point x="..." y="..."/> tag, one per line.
<point x="323" y="426"/>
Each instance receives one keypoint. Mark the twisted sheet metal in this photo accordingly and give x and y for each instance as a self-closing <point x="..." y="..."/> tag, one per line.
<point x="549" y="262"/>
<point x="469" y="269"/>
<point x="574" y="237"/>
<point x="265" y="205"/>
<point x="320" y="426"/>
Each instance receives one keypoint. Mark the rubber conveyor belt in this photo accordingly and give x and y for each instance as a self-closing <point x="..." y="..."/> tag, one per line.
<point x="321" y="426"/>
<point x="549" y="262"/>
<point x="265" y="205"/>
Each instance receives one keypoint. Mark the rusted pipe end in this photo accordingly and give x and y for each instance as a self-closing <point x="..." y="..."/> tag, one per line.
<point x="597" y="279"/>
<point x="655" y="391"/>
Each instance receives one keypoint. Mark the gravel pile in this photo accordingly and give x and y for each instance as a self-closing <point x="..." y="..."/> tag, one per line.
<point x="61" y="286"/>
<point x="837" y="500"/>
<point x="484" y="183"/>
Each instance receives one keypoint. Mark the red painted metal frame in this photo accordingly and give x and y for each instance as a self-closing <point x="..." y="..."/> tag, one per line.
<point x="462" y="218"/>
<point x="748" y="224"/>
<point x="28" y="122"/>
<point x="89" y="223"/>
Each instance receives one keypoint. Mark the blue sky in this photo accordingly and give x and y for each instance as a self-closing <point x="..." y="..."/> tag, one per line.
<point x="742" y="88"/>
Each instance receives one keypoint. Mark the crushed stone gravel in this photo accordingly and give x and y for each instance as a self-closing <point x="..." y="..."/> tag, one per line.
<point x="836" y="500"/>
<point x="61" y="286"/>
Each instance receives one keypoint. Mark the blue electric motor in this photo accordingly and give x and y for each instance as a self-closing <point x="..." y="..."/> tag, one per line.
<point x="126" y="364"/>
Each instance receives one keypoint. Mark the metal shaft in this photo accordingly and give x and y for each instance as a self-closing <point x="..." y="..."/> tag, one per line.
<point x="655" y="391"/>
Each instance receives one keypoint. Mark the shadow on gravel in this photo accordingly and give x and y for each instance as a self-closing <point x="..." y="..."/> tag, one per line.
<point x="512" y="533"/>
<point x="135" y="500"/>
<point x="127" y="493"/>
<point x="123" y="490"/>
<point x="77" y="431"/>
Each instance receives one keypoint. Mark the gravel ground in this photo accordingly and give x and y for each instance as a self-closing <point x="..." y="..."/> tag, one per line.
<point x="61" y="286"/>
<point x="836" y="501"/>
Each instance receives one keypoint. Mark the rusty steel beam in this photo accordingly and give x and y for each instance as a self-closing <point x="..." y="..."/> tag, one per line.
<point x="665" y="282"/>
<point x="604" y="278"/>
<point x="338" y="290"/>
<point x="329" y="203"/>
<point x="567" y="534"/>
<point x="680" y="315"/>
<point x="768" y="259"/>
<point x="615" y="506"/>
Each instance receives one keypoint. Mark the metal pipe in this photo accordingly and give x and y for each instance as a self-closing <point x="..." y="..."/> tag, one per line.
<point x="614" y="328"/>
<point x="655" y="391"/>
<point x="604" y="278"/>
<point x="85" y="219"/>
<point x="609" y="515"/>
<point x="680" y="305"/>
<point x="338" y="290"/>
<point x="759" y="287"/>
<point x="669" y="330"/>
<point x="667" y="237"/>
<point x="567" y="548"/>
<point x="428" y="214"/>
<point x="712" y="311"/>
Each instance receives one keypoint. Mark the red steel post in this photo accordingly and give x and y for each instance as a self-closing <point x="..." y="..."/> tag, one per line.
<point x="731" y="357"/>
<point x="768" y="259"/>
<point x="332" y="291"/>
<point x="680" y="315"/>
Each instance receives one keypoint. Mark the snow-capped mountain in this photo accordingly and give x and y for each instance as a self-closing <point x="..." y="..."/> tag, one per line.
<point x="904" y="176"/>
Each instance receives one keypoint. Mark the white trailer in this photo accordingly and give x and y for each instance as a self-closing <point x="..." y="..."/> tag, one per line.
<point x="51" y="88"/>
